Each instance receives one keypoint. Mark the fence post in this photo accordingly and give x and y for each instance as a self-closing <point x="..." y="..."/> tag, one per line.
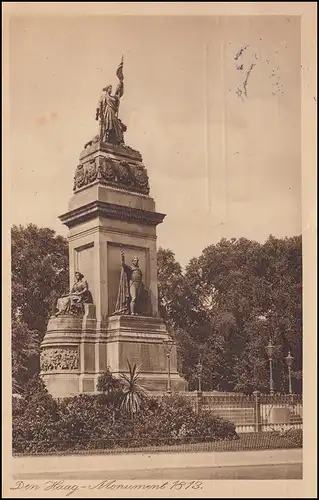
<point x="198" y="402"/>
<point x="257" y="412"/>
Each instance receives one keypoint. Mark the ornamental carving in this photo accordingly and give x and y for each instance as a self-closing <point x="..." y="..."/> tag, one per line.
<point x="124" y="173"/>
<point x="59" y="359"/>
<point x="106" y="170"/>
<point x="114" y="172"/>
<point x="140" y="175"/>
<point x="79" y="178"/>
<point x="91" y="171"/>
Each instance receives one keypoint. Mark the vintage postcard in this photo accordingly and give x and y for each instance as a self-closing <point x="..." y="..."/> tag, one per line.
<point x="159" y="306"/>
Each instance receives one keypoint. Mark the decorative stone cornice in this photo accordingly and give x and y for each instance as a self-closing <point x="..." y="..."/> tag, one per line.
<point x="108" y="171"/>
<point x="110" y="211"/>
<point x="101" y="229"/>
<point x="111" y="165"/>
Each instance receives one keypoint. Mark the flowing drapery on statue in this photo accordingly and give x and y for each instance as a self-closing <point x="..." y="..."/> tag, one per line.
<point x="111" y="128"/>
<point x="72" y="303"/>
<point x="122" y="303"/>
<point x="132" y="297"/>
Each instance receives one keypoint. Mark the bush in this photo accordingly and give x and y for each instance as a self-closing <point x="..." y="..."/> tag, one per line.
<point x="176" y="422"/>
<point x="18" y="405"/>
<point x="108" y="384"/>
<point x="293" y="435"/>
<point x="34" y="420"/>
<point x="87" y="422"/>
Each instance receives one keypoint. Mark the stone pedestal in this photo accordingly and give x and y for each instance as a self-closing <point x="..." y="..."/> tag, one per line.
<point x="67" y="359"/>
<point x="75" y="352"/>
<point x="139" y="339"/>
<point x="110" y="211"/>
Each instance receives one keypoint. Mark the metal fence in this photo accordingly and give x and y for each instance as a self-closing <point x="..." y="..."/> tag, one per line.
<point x="252" y="413"/>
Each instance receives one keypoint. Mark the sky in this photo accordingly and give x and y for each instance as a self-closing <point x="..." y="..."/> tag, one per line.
<point x="212" y="104"/>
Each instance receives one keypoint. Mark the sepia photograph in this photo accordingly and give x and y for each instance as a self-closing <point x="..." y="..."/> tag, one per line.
<point x="156" y="231"/>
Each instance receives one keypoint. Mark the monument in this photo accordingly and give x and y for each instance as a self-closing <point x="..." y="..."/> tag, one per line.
<point x="110" y="316"/>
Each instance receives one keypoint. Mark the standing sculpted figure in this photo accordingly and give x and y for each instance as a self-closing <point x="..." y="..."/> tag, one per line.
<point x="129" y="299"/>
<point x="111" y="128"/>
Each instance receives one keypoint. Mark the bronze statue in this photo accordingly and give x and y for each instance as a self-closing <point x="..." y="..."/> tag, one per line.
<point x="111" y="128"/>
<point x="130" y="294"/>
<point x="72" y="303"/>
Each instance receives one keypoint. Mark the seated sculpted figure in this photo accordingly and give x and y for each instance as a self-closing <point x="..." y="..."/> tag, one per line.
<point x="72" y="303"/>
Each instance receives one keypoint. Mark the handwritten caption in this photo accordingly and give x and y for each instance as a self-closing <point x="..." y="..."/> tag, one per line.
<point x="70" y="488"/>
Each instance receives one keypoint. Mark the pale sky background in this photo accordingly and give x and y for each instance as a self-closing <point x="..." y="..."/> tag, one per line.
<point x="220" y="165"/>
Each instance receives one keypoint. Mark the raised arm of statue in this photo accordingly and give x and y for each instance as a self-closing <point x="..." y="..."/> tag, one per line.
<point x="123" y="257"/>
<point x="127" y="268"/>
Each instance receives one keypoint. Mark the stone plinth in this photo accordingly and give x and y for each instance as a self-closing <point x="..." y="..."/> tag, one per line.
<point x="75" y="352"/>
<point x="139" y="339"/>
<point x="67" y="359"/>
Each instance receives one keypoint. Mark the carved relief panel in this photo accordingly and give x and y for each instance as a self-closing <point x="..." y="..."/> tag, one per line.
<point x="59" y="359"/>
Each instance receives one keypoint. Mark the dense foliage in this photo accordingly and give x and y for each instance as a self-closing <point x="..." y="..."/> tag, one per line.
<point x="228" y="303"/>
<point x="39" y="265"/>
<point x="42" y="424"/>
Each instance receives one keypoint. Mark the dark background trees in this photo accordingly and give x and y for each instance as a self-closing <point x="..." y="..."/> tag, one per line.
<point x="40" y="269"/>
<point x="228" y="303"/>
<point x="223" y="307"/>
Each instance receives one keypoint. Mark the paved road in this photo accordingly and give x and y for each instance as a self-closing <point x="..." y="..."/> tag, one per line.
<point x="268" y="471"/>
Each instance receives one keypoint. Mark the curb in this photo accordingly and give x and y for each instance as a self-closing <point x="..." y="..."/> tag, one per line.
<point x="127" y="463"/>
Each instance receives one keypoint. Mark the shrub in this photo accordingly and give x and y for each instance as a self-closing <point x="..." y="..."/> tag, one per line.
<point x="35" y="422"/>
<point x="176" y="422"/>
<point x="108" y="384"/>
<point x="42" y="424"/>
<point x="293" y="435"/>
<point x="18" y="405"/>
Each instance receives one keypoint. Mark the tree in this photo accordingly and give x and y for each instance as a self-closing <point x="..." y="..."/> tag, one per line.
<point x="25" y="350"/>
<point x="216" y="305"/>
<point x="39" y="273"/>
<point x="170" y="279"/>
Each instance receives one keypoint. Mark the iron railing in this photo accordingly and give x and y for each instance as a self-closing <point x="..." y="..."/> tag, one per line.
<point x="252" y="413"/>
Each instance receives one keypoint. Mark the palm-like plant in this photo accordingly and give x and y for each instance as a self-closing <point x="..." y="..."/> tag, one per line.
<point x="134" y="392"/>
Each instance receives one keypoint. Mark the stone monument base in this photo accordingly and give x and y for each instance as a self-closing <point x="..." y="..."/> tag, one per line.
<point x="76" y="351"/>
<point x="139" y="339"/>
